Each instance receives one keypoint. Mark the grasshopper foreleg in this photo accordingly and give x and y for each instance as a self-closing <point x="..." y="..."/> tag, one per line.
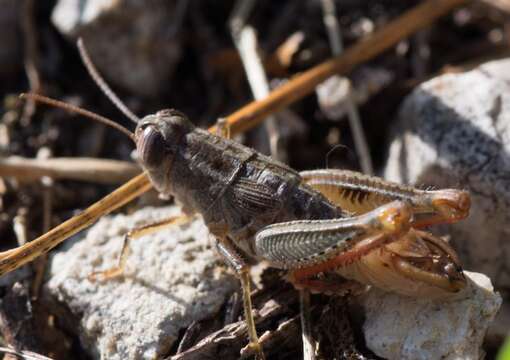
<point x="131" y="235"/>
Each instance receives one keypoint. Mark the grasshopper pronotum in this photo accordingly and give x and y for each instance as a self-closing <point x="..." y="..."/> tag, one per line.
<point x="382" y="238"/>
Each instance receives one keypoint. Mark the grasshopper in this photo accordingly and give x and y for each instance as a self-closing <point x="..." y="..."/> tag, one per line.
<point x="314" y="223"/>
<point x="259" y="209"/>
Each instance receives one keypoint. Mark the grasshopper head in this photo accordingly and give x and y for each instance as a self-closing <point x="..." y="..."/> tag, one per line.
<point x="158" y="136"/>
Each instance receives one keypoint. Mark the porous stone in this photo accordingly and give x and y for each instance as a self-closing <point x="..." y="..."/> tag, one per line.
<point x="132" y="42"/>
<point x="454" y="131"/>
<point x="173" y="277"/>
<point x="399" y="327"/>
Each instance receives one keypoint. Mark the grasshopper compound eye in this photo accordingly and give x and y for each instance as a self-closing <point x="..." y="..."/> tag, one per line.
<point x="151" y="145"/>
<point x="158" y="136"/>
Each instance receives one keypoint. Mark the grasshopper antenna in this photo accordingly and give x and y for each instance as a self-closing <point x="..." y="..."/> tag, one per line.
<point x="78" y="110"/>
<point x="98" y="79"/>
<point x="330" y="152"/>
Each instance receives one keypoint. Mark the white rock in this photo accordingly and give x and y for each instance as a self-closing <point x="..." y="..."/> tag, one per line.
<point x="132" y="42"/>
<point x="335" y="93"/>
<point x="398" y="327"/>
<point x="455" y="132"/>
<point x="333" y="96"/>
<point x="173" y="278"/>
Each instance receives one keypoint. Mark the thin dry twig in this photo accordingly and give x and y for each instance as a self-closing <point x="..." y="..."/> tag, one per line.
<point x="253" y="113"/>
<point x="81" y="169"/>
<point x="40" y="264"/>
<point x="240" y="13"/>
<point x="23" y="354"/>
<point x="19" y="225"/>
<point x="306" y="327"/>
<point x="31" y="57"/>
<point x="274" y="304"/>
<point x="332" y="26"/>
<point x="335" y="40"/>
<point x="245" y="40"/>
<point x="360" y="141"/>
<point x="420" y="57"/>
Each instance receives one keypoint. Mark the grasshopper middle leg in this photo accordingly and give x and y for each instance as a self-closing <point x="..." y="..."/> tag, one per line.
<point x="241" y="267"/>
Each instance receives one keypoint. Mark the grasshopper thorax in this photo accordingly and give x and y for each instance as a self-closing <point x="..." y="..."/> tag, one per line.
<point x="158" y="137"/>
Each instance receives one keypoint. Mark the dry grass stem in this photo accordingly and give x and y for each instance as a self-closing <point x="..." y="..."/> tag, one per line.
<point x="93" y="170"/>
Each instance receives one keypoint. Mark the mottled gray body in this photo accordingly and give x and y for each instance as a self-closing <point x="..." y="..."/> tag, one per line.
<point x="260" y="208"/>
<point x="237" y="190"/>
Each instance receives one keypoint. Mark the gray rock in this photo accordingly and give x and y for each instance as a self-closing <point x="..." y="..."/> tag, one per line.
<point x="455" y="132"/>
<point x="172" y="278"/>
<point x="132" y="42"/>
<point x="398" y="327"/>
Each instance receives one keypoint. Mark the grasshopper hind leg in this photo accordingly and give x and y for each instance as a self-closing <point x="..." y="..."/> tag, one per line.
<point x="242" y="269"/>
